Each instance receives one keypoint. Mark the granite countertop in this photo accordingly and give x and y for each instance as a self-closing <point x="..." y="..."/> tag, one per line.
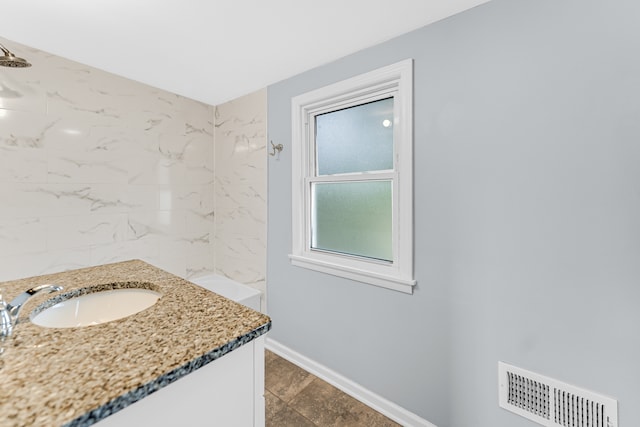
<point x="77" y="376"/>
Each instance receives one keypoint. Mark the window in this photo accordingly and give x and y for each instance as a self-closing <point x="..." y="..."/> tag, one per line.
<point x="352" y="178"/>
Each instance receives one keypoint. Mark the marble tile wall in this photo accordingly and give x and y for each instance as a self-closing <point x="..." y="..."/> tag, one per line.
<point x="95" y="168"/>
<point x="240" y="242"/>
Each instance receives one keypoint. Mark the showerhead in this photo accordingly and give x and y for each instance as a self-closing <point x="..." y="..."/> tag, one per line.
<point x="8" y="59"/>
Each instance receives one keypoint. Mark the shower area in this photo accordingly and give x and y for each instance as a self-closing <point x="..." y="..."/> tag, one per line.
<point x="96" y="168"/>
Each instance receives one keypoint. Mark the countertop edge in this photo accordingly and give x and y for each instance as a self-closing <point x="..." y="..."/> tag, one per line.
<point x="145" y="390"/>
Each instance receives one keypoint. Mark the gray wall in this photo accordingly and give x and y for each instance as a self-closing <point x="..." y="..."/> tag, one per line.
<point x="527" y="215"/>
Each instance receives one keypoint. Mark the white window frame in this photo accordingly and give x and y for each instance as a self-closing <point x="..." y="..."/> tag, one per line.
<point x="394" y="80"/>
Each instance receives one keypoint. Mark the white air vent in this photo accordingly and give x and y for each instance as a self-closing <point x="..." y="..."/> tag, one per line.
<point x="552" y="403"/>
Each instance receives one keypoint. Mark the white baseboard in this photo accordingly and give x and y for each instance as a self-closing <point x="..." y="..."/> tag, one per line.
<point x="369" y="398"/>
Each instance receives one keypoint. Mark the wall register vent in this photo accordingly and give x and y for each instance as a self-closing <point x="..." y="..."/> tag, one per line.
<point x="552" y="403"/>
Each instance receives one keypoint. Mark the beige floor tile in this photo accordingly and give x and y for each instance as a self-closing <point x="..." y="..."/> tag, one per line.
<point x="364" y="415"/>
<point x="326" y="405"/>
<point x="284" y="379"/>
<point x="270" y="356"/>
<point x="287" y="417"/>
<point x="321" y="403"/>
<point x="295" y="398"/>
<point x="273" y="404"/>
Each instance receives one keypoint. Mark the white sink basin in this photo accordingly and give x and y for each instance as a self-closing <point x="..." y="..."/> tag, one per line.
<point x="96" y="308"/>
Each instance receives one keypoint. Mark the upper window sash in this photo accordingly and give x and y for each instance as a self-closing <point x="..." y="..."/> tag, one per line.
<point x="310" y="122"/>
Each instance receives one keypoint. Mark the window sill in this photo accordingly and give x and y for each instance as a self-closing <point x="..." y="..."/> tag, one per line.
<point x="382" y="280"/>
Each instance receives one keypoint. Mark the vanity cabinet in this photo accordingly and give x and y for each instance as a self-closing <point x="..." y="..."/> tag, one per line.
<point x="227" y="392"/>
<point x="194" y="358"/>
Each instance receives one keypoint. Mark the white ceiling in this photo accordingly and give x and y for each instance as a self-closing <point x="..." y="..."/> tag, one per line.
<point x="213" y="50"/>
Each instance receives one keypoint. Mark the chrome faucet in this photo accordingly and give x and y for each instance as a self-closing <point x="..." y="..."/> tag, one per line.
<point x="9" y="312"/>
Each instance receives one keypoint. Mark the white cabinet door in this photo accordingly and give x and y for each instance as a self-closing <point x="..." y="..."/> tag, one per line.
<point x="228" y="392"/>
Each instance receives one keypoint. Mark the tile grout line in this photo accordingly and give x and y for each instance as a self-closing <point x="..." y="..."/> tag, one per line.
<point x="295" y="395"/>
<point x="287" y="407"/>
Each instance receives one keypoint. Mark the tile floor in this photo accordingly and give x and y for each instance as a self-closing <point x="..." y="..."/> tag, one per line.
<point x="295" y="398"/>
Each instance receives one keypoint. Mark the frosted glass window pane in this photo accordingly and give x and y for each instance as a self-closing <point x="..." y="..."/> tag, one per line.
<point x="353" y="218"/>
<point x="355" y="139"/>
